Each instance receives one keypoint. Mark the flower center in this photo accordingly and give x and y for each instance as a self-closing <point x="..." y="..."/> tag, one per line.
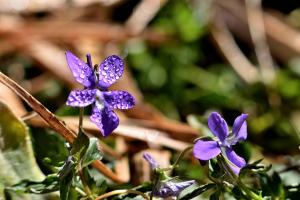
<point x="100" y="103"/>
<point x="229" y="141"/>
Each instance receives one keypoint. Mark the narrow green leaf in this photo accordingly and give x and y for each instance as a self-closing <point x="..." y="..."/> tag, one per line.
<point x="66" y="176"/>
<point x="197" y="191"/>
<point x="65" y="185"/>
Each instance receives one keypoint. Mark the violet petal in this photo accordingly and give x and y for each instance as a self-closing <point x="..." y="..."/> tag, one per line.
<point x="80" y="70"/>
<point x="218" y="126"/>
<point x="235" y="168"/>
<point x="238" y="161"/>
<point x="239" y="128"/>
<point x="150" y="160"/>
<point x="111" y="69"/>
<point x="105" y="119"/>
<point x="119" y="99"/>
<point x="206" y="150"/>
<point x="81" y="98"/>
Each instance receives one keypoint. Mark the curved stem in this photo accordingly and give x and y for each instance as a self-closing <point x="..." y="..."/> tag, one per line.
<point x="153" y="187"/>
<point x="237" y="181"/>
<point x="82" y="193"/>
<point x="84" y="182"/>
<point x="181" y="156"/>
<point x="115" y="192"/>
<point x="225" y="166"/>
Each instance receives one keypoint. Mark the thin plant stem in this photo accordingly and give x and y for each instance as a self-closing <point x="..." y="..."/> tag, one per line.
<point x="171" y="167"/>
<point x="153" y="187"/>
<point x="181" y="155"/>
<point x="115" y="192"/>
<point x="80" y="170"/>
<point x="80" y="191"/>
<point x="225" y="166"/>
<point x="81" y="112"/>
<point x="237" y="181"/>
<point x="84" y="182"/>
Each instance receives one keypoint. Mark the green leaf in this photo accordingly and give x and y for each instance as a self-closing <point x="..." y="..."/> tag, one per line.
<point x="49" y="184"/>
<point x="92" y="153"/>
<point x="256" y="167"/>
<point x="56" y="152"/>
<point x="17" y="160"/>
<point x="67" y="168"/>
<point x="197" y="191"/>
<point x="66" y="176"/>
<point x="97" y="185"/>
<point x="66" y="183"/>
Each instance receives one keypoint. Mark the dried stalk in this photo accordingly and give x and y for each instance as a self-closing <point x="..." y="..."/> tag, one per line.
<point x="232" y="52"/>
<point x="258" y="35"/>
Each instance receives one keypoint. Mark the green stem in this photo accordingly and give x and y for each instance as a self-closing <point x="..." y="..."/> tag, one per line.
<point x="81" y="112"/>
<point x="154" y="185"/>
<point x="225" y="166"/>
<point x="115" y="192"/>
<point x="178" y="159"/>
<point x="80" y="170"/>
<point x="160" y="175"/>
<point x="82" y="193"/>
<point x="84" y="182"/>
<point x="181" y="156"/>
<point x="237" y="181"/>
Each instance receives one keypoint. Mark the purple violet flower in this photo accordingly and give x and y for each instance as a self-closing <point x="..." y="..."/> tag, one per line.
<point x="166" y="186"/>
<point x="150" y="160"/>
<point x="206" y="150"/>
<point x="96" y="83"/>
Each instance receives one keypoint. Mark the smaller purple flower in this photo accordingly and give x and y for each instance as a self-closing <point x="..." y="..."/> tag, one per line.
<point x="166" y="186"/>
<point x="150" y="160"/>
<point x="95" y="93"/>
<point x="208" y="149"/>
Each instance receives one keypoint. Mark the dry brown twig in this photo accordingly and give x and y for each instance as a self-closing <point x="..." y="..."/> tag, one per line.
<point x="142" y="15"/>
<point x="122" y="165"/>
<point x="257" y="31"/>
<point x="231" y="51"/>
<point x="64" y="31"/>
<point x="130" y="132"/>
<point x="234" y="15"/>
<point x="12" y="101"/>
